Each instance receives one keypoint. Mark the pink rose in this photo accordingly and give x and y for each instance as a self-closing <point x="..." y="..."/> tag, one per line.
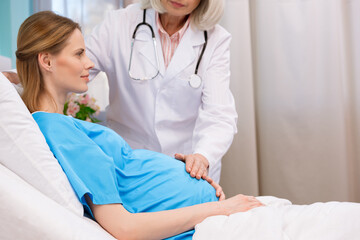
<point x="85" y="99"/>
<point x="72" y="97"/>
<point x="73" y="109"/>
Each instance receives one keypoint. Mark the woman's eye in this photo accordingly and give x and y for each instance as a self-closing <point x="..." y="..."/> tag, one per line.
<point x="80" y="53"/>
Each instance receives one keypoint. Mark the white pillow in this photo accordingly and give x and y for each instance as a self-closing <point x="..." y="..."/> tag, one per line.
<point x="25" y="152"/>
<point x="39" y="217"/>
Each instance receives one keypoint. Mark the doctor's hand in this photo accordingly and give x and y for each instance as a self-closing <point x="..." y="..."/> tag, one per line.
<point x="219" y="191"/>
<point x="13" y="77"/>
<point x="196" y="164"/>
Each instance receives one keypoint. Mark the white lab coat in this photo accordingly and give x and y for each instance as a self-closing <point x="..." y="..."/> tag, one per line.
<point x="166" y="114"/>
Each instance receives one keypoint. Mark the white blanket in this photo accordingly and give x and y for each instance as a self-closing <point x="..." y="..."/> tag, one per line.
<point x="280" y="220"/>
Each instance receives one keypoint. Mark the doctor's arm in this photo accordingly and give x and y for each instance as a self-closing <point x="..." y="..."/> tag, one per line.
<point x="12" y="76"/>
<point x="216" y="123"/>
<point x="99" y="45"/>
<point x="122" y="224"/>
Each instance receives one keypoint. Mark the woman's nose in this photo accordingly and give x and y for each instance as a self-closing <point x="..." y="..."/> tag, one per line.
<point x="89" y="64"/>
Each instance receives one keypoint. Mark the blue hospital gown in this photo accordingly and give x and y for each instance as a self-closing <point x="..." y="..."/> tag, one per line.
<point x="98" y="162"/>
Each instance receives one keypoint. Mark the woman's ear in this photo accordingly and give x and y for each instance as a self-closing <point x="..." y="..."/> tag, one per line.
<point x="45" y="62"/>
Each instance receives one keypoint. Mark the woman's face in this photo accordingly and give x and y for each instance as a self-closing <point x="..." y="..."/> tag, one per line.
<point x="71" y="66"/>
<point x="180" y="8"/>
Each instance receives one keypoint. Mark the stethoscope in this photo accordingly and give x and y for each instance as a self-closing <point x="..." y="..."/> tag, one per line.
<point x="194" y="80"/>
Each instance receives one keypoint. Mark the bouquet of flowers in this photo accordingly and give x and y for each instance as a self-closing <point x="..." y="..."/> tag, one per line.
<point x="82" y="106"/>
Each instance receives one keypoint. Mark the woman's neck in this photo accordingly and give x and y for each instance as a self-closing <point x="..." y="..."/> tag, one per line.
<point x="172" y="24"/>
<point x="53" y="98"/>
<point x="51" y="102"/>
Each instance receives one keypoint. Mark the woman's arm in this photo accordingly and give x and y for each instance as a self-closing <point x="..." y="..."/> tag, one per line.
<point x="122" y="224"/>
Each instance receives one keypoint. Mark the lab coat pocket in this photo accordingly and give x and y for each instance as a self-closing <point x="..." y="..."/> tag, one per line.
<point x="184" y="86"/>
<point x="185" y="100"/>
<point x="184" y="79"/>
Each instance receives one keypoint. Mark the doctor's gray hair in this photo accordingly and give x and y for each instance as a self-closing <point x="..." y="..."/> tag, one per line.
<point x="204" y="17"/>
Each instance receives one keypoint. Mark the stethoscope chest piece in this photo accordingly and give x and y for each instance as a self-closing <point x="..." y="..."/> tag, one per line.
<point x="195" y="81"/>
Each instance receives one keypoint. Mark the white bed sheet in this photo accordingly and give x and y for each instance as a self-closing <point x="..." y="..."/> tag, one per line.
<point x="28" y="214"/>
<point x="280" y="220"/>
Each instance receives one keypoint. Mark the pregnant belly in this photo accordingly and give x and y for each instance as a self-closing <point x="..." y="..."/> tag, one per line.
<point x="151" y="181"/>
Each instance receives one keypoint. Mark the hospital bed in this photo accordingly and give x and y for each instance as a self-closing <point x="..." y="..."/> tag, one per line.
<point x="27" y="213"/>
<point x="37" y="201"/>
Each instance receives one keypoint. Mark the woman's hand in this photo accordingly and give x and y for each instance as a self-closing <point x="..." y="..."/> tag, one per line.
<point x="219" y="191"/>
<point x="13" y="77"/>
<point x="239" y="203"/>
<point x="196" y="164"/>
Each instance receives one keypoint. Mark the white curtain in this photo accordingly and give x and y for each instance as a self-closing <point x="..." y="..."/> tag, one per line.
<point x="296" y="81"/>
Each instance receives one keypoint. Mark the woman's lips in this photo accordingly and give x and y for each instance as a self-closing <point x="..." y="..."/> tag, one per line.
<point x="85" y="77"/>
<point x="176" y="4"/>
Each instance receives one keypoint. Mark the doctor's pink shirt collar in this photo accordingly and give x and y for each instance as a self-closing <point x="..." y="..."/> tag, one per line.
<point x="170" y="43"/>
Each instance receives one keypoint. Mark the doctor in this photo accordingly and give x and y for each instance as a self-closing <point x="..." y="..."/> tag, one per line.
<point x="167" y="62"/>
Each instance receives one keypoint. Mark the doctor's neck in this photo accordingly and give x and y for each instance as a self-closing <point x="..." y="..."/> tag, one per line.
<point x="171" y="23"/>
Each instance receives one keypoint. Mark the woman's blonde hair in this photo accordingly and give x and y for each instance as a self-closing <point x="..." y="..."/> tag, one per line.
<point x="42" y="32"/>
<point x="204" y="17"/>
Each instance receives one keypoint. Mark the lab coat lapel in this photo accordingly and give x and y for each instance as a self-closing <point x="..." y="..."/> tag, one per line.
<point x="186" y="52"/>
